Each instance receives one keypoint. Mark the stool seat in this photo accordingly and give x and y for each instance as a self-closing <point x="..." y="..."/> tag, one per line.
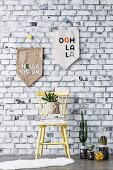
<point x="52" y="124"/>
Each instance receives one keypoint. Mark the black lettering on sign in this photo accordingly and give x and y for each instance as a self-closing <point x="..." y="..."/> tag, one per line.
<point x="61" y="40"/>
<point x="72" y="40"/>
<point x="67" y="47"/>
<point x="72" y="47"/>
<point x="67" y="55"/>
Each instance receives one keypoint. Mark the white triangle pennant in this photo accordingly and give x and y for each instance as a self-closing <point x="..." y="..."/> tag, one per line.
<point x="66" y="46"/>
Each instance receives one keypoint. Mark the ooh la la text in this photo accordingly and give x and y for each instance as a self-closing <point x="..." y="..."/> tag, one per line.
<point x="69" y="49"/>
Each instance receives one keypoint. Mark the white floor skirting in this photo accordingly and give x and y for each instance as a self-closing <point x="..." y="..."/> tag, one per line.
<point x="39" y="163"/>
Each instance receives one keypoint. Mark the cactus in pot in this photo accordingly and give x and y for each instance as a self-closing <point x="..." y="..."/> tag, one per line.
<point x="83" y="130"/>
<point x="83" y="137"/>
<point x="103" y="147"/>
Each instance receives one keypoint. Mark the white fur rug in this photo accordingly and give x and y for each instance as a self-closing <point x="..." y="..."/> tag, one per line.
<point x="39" y="163"/>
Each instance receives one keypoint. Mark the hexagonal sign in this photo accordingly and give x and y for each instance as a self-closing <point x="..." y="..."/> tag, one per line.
<point x="66" y="46"/>
<point x="29" y="64"/>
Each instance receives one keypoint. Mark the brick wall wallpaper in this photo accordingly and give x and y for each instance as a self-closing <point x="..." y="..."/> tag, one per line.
<point x="89" y="79"/>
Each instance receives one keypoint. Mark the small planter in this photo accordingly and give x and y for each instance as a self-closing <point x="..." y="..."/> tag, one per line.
<point x="83" y="152"/>
<point x="53" y="107"/>
<point x="90" y="155"/>
<point x="105" y="151"/>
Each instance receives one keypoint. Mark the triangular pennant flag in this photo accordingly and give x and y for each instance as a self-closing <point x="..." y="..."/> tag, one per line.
<point x="29" y="64"/>
<point x="66" y="46"/>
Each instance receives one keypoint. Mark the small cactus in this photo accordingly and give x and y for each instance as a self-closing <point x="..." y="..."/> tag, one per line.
<point x="103" y="140"/>
<point x="83" y="130"/>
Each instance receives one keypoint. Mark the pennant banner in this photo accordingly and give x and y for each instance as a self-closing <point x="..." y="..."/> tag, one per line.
<point x="66" y="46"/>
<point x="29" y="64"/>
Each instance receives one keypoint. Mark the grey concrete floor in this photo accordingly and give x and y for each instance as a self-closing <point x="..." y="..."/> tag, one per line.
<point x="79" y="164"/>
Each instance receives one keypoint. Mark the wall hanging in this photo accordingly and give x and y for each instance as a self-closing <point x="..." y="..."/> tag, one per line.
<point x="66" y="46"/>
<point x="29" y="64"/>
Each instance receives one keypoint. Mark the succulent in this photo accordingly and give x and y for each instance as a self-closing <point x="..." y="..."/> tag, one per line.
<point x="50" y="97"/>
<point x="103" y="140"/>
<point x="83" y="130"/>
<point x="91" y="147"/>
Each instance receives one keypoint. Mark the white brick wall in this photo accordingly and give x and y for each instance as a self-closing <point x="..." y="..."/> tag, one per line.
<point x="90" y="79"/>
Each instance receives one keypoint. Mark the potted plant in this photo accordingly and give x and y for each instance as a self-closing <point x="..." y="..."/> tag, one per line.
<point x="83" y="137"/>
<point x="90" y="152"/>
<point x="52" y="104"/>
<point x="103" y="147"/>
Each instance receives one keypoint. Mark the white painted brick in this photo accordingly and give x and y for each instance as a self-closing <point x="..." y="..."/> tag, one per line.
<point x="108" y="67"/>
<point x="94" y="67"/>
<point x="5" y="56"/>
<point x="97" y="89"/>
<point x="91" y="2"/>
<point x="8" y="123"/>
<point x="8" y="145"/>
<point x="60" y="2"/>
<point x="22" y="123"/>
<point x="107" y="123"/>
<point x="11" y="2"/>
<point x="7" y="117"/>
<point x="27" y="2"/>
<point x="16" y="134"/>
<point x="16" y="140"/>
<point x="35" y="13"/>
<point x="23" y="146"/>
<point x="55" y="12"/>
<point x="18" y="7"/>
<point x="52" y="78"/>
<point x="107" y="2"/>
<point x="18" y="13"/>
<point x="15" y="129"/>
<point x="83" y="13"/>
<point x="68" y="12"/>
<point x="77" y="2"/>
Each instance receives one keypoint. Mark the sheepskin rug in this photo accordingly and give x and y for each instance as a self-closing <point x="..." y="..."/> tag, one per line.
<point x="39" y="163"/>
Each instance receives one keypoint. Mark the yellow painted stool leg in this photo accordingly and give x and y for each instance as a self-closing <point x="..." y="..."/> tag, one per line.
<point x="43" y="136"/>
<point x="65" y="152"/>
<point x="67" y="144"/>
<point x="38" y="143"/>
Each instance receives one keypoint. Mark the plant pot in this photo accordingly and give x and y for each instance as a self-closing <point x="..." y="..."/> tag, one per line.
<point x="53" y="108"/>
<point x="105" y="151"/>
<point x="83" y="152"/>
<point x="90" y="155"/>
